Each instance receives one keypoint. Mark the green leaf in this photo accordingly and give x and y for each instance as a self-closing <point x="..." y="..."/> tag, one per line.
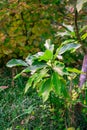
<point x="48" y="45"/>
<point x="37" y="66"/>
<point x="57" y="52"/>
<point x="16" y="62"/>
<point x="32" y="69"/>
<point x="41" y="74"/>
<point x="71" y="128"/>
<point x="64" y="89"/>
<point x="69" y="27"/>
<point x="59" y="67"/>
<point x="56" y="83"/>
<point x="84" y="36"/>
<point x="59" y="70"/>
<point x="74" y="70"/>
<point x="48" y="55"/>
<point x="31" y="58"/>
<point x="80" y="4"/>
<point x="17" y="76"/>
<point x="68" y="41"/>
<point x="45" y="89"/>
<point x="68" y="47"/>
<point x="24" y="71"/>
<point x="29" y="82"/>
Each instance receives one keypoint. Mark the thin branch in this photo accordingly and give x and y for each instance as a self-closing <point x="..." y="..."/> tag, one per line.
<point x="77" y="29"/>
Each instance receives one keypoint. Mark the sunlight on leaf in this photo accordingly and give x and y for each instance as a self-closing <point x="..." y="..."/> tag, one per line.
<point x="48" y="55"/>
<point x="80" y="4"/>
<point x="74" y="70"/>
<point x="16" y="62"/>
<point x="68" y="47"/>
<point x="45" y="89"/>
<point x="48" y="45"/>
<point x="71" y="128"/>
<point x="30" y="81"/>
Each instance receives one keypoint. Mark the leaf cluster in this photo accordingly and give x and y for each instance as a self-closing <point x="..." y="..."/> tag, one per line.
<point x="48" y="73"/>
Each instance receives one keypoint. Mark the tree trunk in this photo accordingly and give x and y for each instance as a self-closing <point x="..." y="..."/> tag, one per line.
<point x="83" y="77"/>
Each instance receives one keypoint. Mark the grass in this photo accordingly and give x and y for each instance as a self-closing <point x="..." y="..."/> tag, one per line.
<point x="28" y="112"/>
<point x="24" y="112"/>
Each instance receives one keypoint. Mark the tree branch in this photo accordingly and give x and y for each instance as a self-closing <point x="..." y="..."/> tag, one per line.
<point x="77" y="29"/>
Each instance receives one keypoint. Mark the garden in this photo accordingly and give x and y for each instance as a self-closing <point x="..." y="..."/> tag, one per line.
<point x="43" y="65"/>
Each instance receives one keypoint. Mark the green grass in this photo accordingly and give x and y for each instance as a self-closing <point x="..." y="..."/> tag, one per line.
<point x="14" y="107"/>
<point x="28" y="112"/>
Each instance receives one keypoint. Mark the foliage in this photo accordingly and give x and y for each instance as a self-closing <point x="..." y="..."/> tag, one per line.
<point x="13" y="103"/>
<point x="25" y="25"/>
<point x="52" y="71"/>
<point x="80" y="4"/>
<point x="47" y="72"/>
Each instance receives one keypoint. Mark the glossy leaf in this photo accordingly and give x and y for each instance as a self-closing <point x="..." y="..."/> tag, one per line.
<point x="30" y="81"/>
<point x="74" y="70"/>
<point x="34" y="68"/>
<point x="59" y="68"/>
<point x="48" y="55"/>
<point x="41" y="74"/>
<point x="80" y="4"/>
<point x="45" y="89"/>
<point x="31" y="58"/>
<point x="69" y="27"/>
<point x="48" y="45"/>
<point x="68" y="47"/>
<point x="16" y="62"/>
<point x="56" y="83"/>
